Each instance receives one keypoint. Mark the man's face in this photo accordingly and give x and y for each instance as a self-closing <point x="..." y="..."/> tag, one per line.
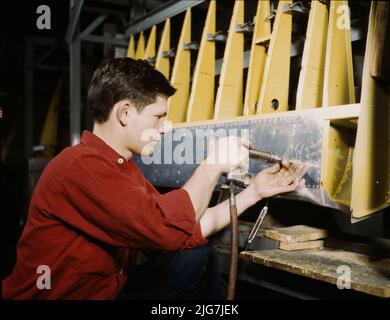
<point x="146" y="127"/>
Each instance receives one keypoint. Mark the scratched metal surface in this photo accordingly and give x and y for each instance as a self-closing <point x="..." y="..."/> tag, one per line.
<point x="293" y="137"/>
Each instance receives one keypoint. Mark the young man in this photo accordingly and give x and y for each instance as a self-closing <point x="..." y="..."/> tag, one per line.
<point x="92" y="209"/>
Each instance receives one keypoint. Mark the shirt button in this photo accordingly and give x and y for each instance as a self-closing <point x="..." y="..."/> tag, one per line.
<point x="120" y="160"/>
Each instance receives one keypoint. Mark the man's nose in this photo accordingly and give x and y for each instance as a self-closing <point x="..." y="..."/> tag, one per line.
<point x="162" y="128"/>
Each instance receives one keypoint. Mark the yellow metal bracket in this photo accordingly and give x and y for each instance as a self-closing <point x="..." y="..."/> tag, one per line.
<point x="311" y="78"/>
<point x="257" y="57"/>
<point x="177" y="104"/>
<point x="337" y="154"/>
<point x="230" y="91"/>
<point x="150" y="52"/>
<point x="338" y="79"/>
<point x="339" y="141"/>
<point x="355" y="164"/>
<point x="371" y="167"/>
<point x="275" y="86"/>
<point x="50" y="129"/>
<point x="140" y="53"/>
<point x="162" y="61"/>
<point x="131" y="49"/>
<point x="201" y="101"/>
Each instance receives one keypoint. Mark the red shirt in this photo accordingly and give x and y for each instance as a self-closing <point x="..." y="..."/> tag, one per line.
<point x="90" y="212"/>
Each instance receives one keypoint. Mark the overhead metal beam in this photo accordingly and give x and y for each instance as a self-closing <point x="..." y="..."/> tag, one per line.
<point x="116" y="2"/>
<point x="153" y="4"/>
<point x="100" y="39"/>
<point x="50" y="67"/>
<point x="76" y="7"/>
<point x="93" y="25"/>
<point x="112" y="12"/>
<point x="160" y="14"/>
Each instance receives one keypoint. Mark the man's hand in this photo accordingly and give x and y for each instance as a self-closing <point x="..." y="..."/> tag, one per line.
<point x="224" y="155"/>
<point x="228" y="153"/>
<point x="269" y="182"/>
<point x="278" y="179"/>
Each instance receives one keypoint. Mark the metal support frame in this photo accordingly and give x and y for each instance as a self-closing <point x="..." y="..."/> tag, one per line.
<point x="247" y="27"/>
<point x="29" y="97"/>
<point x="75" y="11"/>
<point x="156" y="16"/>
<point x="74" y="38"/>
<point x="170" y="9"/>
<point x="218" y="36"/>
<point x="326" y="79"/>
<point x="93" y="25"/>
<point x="86" y="35"/>
<point x="106" y="40"/>
<point x="116" y="13"/>
<point x="75" y="90"/>
<point x="32" y="64"/>
<point x="295" y="8"/>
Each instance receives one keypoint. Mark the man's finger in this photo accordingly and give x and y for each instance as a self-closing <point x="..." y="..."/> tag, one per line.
<point x="301" y="170"/>
<point x="297" y="171"/>
<point x="290" y="187"/>
<point x="293" y="166"/>
<point x="274" y="169"/>
<point x="285" y="163"/>
<point x="244" y="158"/>
<point x="294" y="185"/>
<point x="245" y="142"/>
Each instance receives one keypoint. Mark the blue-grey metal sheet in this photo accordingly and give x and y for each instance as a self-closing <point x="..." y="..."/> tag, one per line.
<point x="293" y="137"/>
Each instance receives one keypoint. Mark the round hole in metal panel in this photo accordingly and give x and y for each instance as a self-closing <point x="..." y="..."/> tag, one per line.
<point x="275" y="104"/>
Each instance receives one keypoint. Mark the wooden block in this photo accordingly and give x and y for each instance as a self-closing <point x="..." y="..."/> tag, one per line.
<point x="301" y="245"/>
<point x="299" y="233"/>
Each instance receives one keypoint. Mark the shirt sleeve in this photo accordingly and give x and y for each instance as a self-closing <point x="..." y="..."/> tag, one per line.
<point x="107" y="204"/>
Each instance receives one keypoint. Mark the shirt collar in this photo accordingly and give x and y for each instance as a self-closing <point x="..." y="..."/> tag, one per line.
<point x="90" y="139"/>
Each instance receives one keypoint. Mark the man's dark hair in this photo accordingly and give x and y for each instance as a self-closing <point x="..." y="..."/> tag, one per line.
<point x="125" y="78"/>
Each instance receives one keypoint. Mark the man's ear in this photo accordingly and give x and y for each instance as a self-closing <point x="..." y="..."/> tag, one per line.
<point x="123" y="109"/>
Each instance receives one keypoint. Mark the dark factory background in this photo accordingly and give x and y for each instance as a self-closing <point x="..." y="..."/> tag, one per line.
<point x="36" y="75"/>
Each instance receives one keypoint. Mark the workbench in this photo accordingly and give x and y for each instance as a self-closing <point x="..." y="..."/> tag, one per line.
<point x="368" y="274"/>
<point x="308" y="274"/>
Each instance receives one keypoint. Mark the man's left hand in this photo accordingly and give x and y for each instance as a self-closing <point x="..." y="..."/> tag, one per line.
<point x="279" y="178"/>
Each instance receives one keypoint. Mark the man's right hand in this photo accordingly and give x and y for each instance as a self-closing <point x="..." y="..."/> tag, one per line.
<point x="228" y="153"/>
